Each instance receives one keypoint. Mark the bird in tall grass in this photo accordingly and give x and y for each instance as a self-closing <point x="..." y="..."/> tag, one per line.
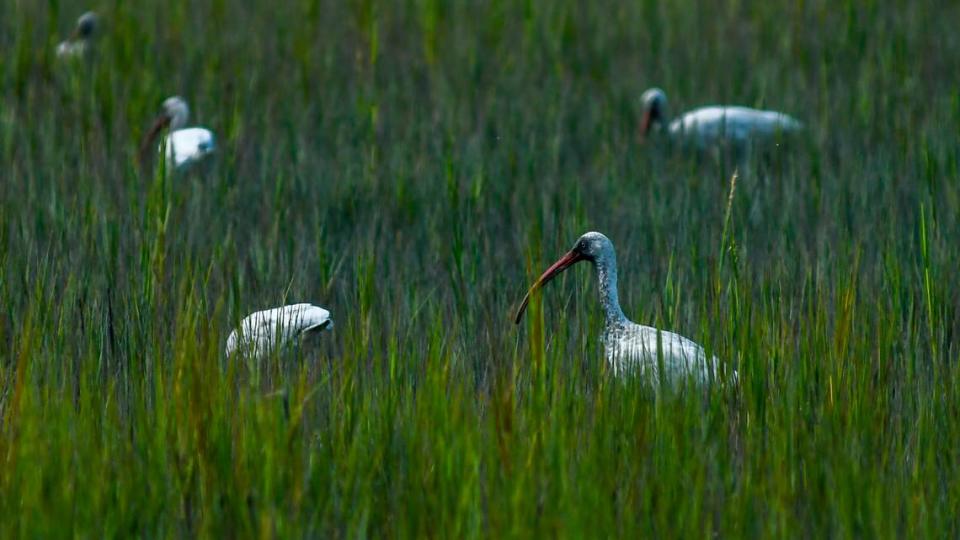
<point x="184" y="146"/>
<point x="263" y="332"/>
<point x="79" y="42"/>
<point x="710" y="126"/>
<point x="631" y="348"/>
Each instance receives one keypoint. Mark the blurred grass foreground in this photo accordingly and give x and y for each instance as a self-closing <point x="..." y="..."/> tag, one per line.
<point x="412" y="166"/>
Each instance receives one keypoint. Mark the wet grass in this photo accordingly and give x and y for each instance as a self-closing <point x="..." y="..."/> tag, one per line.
<point x="411" y="166"/>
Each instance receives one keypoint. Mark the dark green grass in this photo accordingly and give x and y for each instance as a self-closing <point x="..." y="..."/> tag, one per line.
<point x="412" y="166"/>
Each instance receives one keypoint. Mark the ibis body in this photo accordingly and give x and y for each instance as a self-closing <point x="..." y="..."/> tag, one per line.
<point x="709" y="126"/>
<point x="183" y="146"/>
<point x="262" y="332"/>
<point x="79" y="42"/>
<point x="631" y="348"/>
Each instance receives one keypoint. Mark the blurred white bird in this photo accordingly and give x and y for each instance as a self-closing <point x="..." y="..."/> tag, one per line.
<point x="262" y="332"/>
<point x="79" y="42"/>
<point x="631" y="348"/>
<point x="708" y="126"/>
<point x="184" y="146"/>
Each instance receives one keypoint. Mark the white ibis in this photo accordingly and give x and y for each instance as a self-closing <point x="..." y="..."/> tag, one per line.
<point x="707" y="126"/>
<point x="184" y="146"/>
<point x="264" y="331"/>
<point x="630" y="347"/>
<point x="77" y="44"/>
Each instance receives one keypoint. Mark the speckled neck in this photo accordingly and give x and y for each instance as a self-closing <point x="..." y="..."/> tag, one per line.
<point x="178" y="120"/>
<point x="606" y="265"/>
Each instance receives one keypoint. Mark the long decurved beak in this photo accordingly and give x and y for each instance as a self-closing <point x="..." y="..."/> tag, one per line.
<point x="568" y="260"/>
<point x="159" y="124"/>
<point x="645" y="124"/>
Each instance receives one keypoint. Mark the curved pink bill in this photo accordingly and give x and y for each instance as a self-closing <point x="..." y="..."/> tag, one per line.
<point x="645" y="124"/>
<point x="555" y="269"/>
<point x="159" y="124"/>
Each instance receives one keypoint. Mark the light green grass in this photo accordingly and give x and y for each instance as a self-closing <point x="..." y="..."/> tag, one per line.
<point x="412" y="166"/>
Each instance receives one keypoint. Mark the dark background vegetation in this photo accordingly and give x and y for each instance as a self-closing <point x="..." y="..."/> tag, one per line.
<point x="412" y="166"/>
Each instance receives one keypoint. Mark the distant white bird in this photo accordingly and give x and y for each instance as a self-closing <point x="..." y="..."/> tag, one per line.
<point x="79" y="42"/>
<point x="707" y="126"/>
<point x="631" y="348"/>
<point x="184" y="146"/>
<point x="262" y="332"/>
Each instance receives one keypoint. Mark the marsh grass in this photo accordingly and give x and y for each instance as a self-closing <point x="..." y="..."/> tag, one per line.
<point x="412" y="166"/>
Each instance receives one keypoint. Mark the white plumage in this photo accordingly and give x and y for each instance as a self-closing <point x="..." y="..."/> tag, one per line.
<point x="79" y="42"/>
<point x="187" y="146"/>
<point x="634" y="348"/>
<point x="708" y="126"/>
<point x="184" y="146"/>
<point x="71" y="49"/>
<point x="630" y="347"/>
<point x="262" y="332"/>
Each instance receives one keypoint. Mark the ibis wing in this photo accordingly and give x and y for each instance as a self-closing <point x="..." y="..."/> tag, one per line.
<point x="646" y="349"/>
<point x="262" y="331"/>
<point x="189" y="145"/>
<point x="709" y="124"/>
